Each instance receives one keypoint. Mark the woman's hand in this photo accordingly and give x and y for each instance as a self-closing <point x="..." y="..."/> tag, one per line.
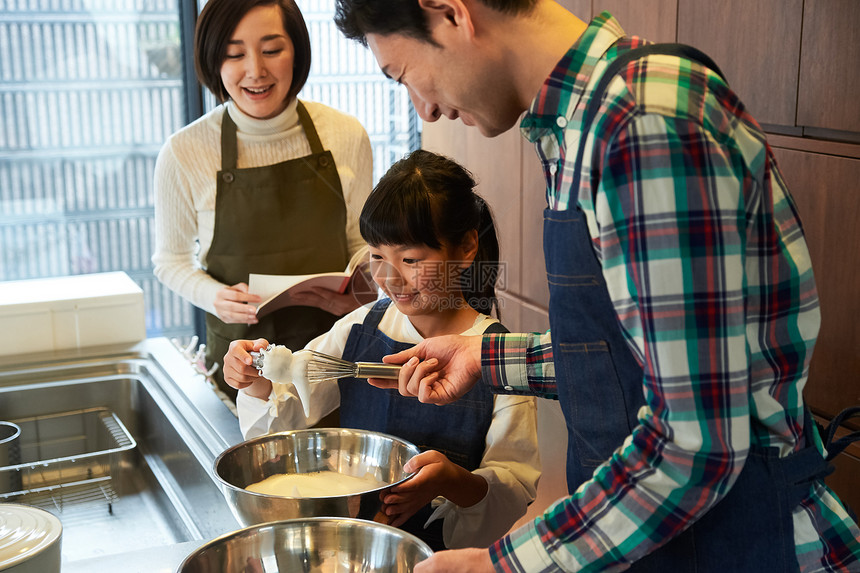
<point x="239" y="372"/>
<point x="451" y="366"/>
<point x="458" y="560"/>
<point x="328" y="300"/>
<point x="435" y="475"/>
<point x="235" y="305"/>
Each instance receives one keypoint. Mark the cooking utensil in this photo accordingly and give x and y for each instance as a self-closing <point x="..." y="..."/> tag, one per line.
<point x="347" y="451"/>
<point x="313" y="545"/>
<point x="323" y="366"/>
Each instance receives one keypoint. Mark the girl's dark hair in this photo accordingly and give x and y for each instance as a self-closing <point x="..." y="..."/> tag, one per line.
<point x="428" y="199"/>
<point x="215" y="27"/>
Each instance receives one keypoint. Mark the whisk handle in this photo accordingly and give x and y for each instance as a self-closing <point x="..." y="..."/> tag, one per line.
<point x="376" y="370"/>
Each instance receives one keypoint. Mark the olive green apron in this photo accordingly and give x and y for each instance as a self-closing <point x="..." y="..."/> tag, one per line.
<point x="288" y="218"/>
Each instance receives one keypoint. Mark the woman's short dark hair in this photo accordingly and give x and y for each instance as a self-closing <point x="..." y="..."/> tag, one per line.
<point x="215" y="26"/>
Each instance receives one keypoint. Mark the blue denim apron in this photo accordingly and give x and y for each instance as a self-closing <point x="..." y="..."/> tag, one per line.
<point x="458" y="430"/>
<point x="600" y="386"/>
<point x="599" y="381"/>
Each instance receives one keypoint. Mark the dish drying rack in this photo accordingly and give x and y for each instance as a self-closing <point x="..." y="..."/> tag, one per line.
<point x="68" y="458"/>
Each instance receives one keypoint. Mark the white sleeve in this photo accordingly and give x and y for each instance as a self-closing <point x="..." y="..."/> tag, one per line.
<point x="175" y="257"/>
<point x="356" y="193"/>
<point x="284" y="411"/>
<point x="511" y="466"/>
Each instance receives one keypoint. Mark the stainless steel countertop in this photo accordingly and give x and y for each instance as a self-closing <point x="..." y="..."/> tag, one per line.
<point x="213" y="423"/>
<point x="152" y="560"/>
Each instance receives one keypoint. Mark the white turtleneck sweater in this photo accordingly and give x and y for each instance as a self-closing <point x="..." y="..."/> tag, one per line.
<point x="185" y="180"/>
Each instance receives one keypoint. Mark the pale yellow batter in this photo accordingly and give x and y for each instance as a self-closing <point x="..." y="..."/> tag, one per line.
<point x="315" y="484"/>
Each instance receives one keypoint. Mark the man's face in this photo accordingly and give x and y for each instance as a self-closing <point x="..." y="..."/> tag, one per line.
<point x="457" y="81"/>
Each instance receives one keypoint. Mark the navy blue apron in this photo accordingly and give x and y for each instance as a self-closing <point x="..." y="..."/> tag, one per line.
<point x="458" y="430"/>
<point x="751" y="528"/>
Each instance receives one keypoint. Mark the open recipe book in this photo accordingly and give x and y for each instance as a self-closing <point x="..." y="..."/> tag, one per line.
<point x="277" y="290"/>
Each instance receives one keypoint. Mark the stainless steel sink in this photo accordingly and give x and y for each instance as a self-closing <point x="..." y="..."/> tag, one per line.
<point x="145" y="488"/>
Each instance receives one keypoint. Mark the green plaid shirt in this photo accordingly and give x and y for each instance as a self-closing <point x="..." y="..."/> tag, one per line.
<point x="710" y="276"/>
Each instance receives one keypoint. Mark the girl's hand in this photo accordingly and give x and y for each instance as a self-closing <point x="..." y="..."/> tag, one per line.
<point x="235" y="305"/>
<point x="238" y="371"/>
<point x="451" y="366"/>
<point x="435" y="475"/>
<point x="464" y="560"/>
<point x="328" y="300"/>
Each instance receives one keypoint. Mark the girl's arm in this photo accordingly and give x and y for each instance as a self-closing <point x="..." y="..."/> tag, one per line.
<point x="481" y="506"/>
<point x="176" y="232"/>
<point x="281" y="410"/>
<point x="511" y="468"/>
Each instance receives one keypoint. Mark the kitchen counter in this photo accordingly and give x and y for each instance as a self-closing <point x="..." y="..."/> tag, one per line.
<point x="153" y="502"/>
<point x="164" y="559"/>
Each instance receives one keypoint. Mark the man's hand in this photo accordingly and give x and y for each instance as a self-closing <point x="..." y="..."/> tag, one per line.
<point x="439" y="370"/>
<point x="458" y="560"/>
<point x="239" y="372"/>
<point x="235" y="305"/>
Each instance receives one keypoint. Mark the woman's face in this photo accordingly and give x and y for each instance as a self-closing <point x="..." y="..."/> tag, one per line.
<point x="258" y="68"/>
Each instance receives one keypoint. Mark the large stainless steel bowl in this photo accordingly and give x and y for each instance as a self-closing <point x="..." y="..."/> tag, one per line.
<point x="313" y="545"/>
<point x="352" y="452"/>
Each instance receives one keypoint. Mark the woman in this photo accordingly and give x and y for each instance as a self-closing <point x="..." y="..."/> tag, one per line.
<point x="262" y="184"/>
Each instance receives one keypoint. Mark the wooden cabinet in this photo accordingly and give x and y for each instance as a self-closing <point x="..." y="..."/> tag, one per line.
<point x="654" y="20"/>
<point x="826" y="190"/>
<point x="830" y="66"/>
<point x="756" y="43"/>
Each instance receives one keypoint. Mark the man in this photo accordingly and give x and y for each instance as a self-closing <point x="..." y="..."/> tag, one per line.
<point x="677" y="268"/>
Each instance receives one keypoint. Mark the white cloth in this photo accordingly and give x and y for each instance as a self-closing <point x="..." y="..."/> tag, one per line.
<point x="510" y="464"/>
<point x="185" y="184"/>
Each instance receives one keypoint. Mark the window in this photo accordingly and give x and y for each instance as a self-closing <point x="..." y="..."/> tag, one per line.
<point x="91" y="89"/>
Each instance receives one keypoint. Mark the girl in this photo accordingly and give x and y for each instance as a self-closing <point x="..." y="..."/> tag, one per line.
<point x="434" y="255"/>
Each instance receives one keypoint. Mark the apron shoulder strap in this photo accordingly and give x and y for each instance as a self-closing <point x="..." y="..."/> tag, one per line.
<point x="229" y="147"/>
<point x="615" y="66"/>
<point x="376" y="313"/>
<point x="496" y="328"/>
<point x="308" y="126"/>
<point x="229" y="153"/>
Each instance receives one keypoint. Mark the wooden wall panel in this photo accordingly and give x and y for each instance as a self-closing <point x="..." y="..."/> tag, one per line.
<point x="534" y="286"/>
<point x="827" y="194"/>
<point x="654" y="20"/>
<point x="552" y="442"/>
<point x="581" y="8"/>
<point x="756" y="43"/>
<point x="500" y="187"/>
<point x="830" y="65"/>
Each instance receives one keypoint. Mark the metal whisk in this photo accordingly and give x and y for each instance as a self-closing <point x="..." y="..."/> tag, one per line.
<point x="323" y="366"/>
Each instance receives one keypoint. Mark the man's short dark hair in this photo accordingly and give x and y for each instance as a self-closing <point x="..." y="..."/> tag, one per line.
<point x="215" y="26"/>
<point x="358" y="18"/>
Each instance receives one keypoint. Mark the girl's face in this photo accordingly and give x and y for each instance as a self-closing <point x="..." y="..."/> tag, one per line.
<point x="418" y="279"/>
<point x="257" y="71"/>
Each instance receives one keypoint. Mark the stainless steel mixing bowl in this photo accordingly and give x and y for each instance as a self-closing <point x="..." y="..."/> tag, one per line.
<point x="313" y="545"/>
<point x="352" y="452"/>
